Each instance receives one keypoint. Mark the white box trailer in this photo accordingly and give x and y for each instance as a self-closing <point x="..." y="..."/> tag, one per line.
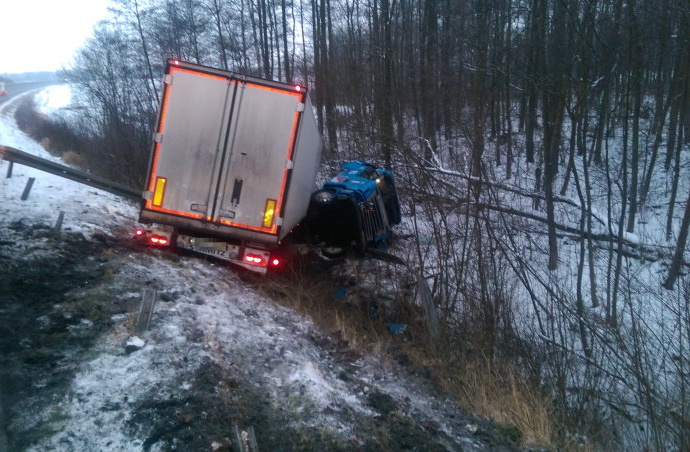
<point x="233" y="163"/>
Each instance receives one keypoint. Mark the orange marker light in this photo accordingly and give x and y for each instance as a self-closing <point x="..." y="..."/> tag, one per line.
<point x="269" y="212"/>
<point x="159" y="191"/>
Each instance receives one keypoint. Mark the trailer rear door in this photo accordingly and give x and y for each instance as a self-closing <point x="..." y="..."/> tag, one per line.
<point x="259" y="154"/>
<point x="224" y="150"/>
<point x="188" y="144"/>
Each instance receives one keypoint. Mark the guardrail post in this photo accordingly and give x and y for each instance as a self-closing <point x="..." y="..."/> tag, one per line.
<point x="9" y="170"/>
<point x="148" y="299"/>
<point x="58" y="224"/>
<point x="27" y="189"/>
<point x="246" y="440"/>
<point x="427" y="302"/>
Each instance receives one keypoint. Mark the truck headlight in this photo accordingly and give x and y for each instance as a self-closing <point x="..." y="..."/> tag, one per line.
<point x="324" y="197"/>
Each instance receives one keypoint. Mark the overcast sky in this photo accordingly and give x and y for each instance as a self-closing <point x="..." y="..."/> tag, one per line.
<point x="43" y="35"/>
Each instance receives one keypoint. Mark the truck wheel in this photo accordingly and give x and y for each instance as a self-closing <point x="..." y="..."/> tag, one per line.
<point x="393" y="209"/>
<point x="323" y="197"/>
<point x="360" y="239"/>
<point x="361" y="245"/>
<point x="390" y="200"/>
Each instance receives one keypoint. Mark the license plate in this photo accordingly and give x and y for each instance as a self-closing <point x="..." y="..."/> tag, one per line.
<point x="210" y="247"/>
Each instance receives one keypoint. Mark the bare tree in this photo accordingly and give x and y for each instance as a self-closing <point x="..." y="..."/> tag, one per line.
<point x="677" y="261"/>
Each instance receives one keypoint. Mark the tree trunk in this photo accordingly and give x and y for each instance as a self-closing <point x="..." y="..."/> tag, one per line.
<point x="383" y="80"/>
<point x="613" y="314"/>
<point x="555" y="94"/>
<point x="428" y="70"/>
<point x="286" y="56"/>
<point x="144" y="47"/>
<point x="677" y="261"/>
<point x="635" y="55"/>
<point x="657" y="131"/>
<point x="217" y="11"/>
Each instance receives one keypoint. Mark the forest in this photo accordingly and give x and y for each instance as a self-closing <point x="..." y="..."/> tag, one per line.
<point x="540" y="147"/>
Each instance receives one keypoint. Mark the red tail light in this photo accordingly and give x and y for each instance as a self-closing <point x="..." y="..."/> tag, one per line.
<point x="255" y="259"/>
<point x="158" y="240"/>
<point x="139" y="232"/>
<point x="275" y="262"/>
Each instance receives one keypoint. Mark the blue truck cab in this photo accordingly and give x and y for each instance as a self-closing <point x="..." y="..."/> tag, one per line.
<point x="356" y="208"/>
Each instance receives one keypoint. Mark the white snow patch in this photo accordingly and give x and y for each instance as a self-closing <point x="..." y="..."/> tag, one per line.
<point x="135" y="342"/>
<point x="53" y="98"/>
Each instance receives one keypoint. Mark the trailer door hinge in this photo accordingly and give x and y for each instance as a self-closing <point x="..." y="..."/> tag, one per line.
<point x="167" y="79"/>
<point x="158" y="137"/>
<point x="289" y="164"/>
<point x="148" y="195"/>
<point x="230" y="214"/>
<point x="299" y="107"/>
<point x="196" y="207"/>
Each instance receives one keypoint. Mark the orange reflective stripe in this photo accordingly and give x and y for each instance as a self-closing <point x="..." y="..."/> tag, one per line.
<point x="297" y="94"/>
<point x="271" y="230"/>
<point x="175" y="212"/>
<point x="194" y="72"/>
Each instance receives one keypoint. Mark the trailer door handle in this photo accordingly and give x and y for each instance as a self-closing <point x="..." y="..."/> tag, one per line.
<point x="236" y="192"/>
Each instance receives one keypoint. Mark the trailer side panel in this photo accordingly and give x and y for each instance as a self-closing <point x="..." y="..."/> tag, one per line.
<point x="307" y="158"/>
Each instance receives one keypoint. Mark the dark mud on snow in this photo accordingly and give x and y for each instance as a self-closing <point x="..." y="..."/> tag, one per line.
<point x="45" y="327"/>
<point x="59" y="293"/>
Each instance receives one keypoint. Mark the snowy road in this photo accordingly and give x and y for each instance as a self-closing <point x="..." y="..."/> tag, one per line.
<point x="19" y="89"/>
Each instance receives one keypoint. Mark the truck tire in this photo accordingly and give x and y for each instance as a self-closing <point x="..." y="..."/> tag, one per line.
<point x="390" y="201"/>
<point x="393" y="209"/>
<point x="323" y="197"/>
<point x="360" y="239"/>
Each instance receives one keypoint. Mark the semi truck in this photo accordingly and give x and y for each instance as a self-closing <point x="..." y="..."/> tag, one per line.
<point x="232" y="174"/>
<point x="233" y="165"/>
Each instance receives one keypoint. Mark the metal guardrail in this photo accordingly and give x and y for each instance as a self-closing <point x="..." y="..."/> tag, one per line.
<point x="23" y="158"/>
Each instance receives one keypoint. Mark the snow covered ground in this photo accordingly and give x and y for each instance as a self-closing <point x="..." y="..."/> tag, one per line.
<point x="217" y="353"/>
<point x="634" y="374"/>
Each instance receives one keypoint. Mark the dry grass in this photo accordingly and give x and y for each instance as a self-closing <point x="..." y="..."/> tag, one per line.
<point x="47" y="144"/>
<point x="499" y="395"/>
<point x="72" y="158"/>
<point x="313" y="295"/>
<point x="492" y="391"/>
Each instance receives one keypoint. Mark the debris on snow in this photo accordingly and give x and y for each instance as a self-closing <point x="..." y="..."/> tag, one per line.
<point x="133" y="344"/>
<point x="396" y="328"/>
